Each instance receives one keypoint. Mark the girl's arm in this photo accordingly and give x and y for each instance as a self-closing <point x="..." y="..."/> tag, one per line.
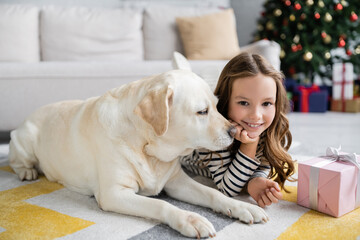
<point x="195" y="161"/>
<point x="231" y="176"/>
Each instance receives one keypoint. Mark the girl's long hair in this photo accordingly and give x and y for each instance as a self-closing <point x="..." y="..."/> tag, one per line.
<point x="278" y="136"/>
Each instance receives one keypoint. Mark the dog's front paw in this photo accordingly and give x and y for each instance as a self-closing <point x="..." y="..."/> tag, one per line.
<point x="247" y="213"/>
<point x="192" y="224"/>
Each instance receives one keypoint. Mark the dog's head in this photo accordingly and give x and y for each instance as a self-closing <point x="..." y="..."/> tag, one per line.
<point x="181" y="110"/>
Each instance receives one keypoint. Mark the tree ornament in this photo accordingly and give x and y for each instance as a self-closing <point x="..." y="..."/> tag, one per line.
<point x="297" y="6"/>
<point x="341" y="42"/>
<point x="294" y="48"/>
<point x="302" y="16"/>
<point x="283" y="36"/>
<point x="296" y="38"/>
<point x="353" y="17"/>
<point x="269" y="26"/>
<point x="357" y="50"/>
<point x="292" y="70"/>
<point x="348" y="52"/>
<point x="285" y="22"/>
<point x="300" y="26"/>
<point x="321" y="4"/>
<point x="299" y="47"/>
<point x="327" y="55"/>
<point x="323" y="34"/>
<point x="328" y="17"/>
<point x="327" y="39"/>
<point x="288" y="3"/>
<point x="308" y="56"/>
<point x="309" y="2"/>
<point x="260" y="27"/>
<point x="282" y="53"/>
<point x="338" y="7"/>
<point x="317" y="15"/>
<point x="277" y="12"/>
<point x="292" y="17"/>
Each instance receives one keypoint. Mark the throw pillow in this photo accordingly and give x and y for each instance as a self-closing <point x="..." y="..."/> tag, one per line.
<point x="19" y="33"/>
<point x="161" y="37"/>
<point x="91" y="34"/>
<point x="211" y="36"/>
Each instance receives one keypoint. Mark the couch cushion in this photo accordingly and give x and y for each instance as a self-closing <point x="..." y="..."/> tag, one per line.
<point x="211" y="36"/>
<point x="19" y="33"/>
<point x="161" y="37"/>
<point x="25" y="87"/>
<point x="85" y="34"/>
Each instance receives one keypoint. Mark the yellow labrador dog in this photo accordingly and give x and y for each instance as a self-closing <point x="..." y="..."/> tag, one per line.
<point x="123" y="146"/>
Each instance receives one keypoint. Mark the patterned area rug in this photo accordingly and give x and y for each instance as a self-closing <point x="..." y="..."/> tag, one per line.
<point x="45" y="210"/>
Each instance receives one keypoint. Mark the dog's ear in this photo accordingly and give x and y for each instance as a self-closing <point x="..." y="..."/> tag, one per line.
<point x="154" y="109"/>
<point x="180" y="62"/>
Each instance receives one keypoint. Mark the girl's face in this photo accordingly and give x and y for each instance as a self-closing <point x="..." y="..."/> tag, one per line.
<point x="252" y="103"/>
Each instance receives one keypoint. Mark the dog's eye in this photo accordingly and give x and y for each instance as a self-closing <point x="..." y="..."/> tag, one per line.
<point x="203" y="112"/>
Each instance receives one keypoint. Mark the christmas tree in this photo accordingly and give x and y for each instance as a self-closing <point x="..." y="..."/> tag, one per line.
<point x="313" y="34"/>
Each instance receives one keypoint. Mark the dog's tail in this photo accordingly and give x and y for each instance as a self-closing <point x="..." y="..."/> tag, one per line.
<point x="180" y="62"/>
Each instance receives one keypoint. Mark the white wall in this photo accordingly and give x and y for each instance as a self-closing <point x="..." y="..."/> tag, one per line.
<point x="246" y="12"/>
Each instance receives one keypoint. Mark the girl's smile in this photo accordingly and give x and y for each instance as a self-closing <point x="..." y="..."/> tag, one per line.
<point x="253" y="125"/>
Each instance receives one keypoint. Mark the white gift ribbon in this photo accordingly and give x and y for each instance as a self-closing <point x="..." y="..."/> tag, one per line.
<point x="332" y="155"/>
<point x="335" y="154"/>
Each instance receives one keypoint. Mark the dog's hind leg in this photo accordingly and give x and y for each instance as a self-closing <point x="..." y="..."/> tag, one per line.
<point x="21" y="153"/>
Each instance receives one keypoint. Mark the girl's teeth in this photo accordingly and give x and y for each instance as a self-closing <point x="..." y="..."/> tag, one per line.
<point x="253" y="125"/>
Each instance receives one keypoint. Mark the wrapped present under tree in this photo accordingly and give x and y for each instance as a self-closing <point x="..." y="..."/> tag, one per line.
<point x="307" y="98"/>
<point x="344" y="98"/>
<point x="343" y="81"/>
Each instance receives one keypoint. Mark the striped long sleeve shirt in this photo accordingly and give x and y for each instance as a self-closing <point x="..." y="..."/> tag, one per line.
<point x="229" y="174"/>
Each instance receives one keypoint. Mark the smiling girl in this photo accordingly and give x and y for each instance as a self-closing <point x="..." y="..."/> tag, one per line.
<point x="252" y="97"/>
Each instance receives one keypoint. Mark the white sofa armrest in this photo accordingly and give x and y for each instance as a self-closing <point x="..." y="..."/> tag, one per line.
<point x="268" y="49"/>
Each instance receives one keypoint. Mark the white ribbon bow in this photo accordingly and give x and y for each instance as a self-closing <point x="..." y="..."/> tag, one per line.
<point x="335" y="154"/>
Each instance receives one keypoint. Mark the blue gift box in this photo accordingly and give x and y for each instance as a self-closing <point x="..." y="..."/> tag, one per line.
<point x="318" y="101"/>
<point x="316" y="98"/>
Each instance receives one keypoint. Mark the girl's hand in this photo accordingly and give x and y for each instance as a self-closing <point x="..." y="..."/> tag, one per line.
<point x="242" y="135"/>
<point x="264" y="191"/>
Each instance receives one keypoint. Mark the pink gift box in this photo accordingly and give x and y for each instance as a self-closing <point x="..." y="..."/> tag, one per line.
<point x="328" y="186"/>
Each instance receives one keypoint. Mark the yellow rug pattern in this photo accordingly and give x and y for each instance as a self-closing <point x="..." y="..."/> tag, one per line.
<point x="20" y="219"/>
<point x="26" y="221"/>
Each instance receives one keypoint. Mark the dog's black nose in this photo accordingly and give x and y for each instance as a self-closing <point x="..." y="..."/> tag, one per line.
<point x="232" y="131"/>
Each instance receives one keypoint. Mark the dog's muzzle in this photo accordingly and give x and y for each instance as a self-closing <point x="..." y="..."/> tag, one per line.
<point x="232" y="131"/>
